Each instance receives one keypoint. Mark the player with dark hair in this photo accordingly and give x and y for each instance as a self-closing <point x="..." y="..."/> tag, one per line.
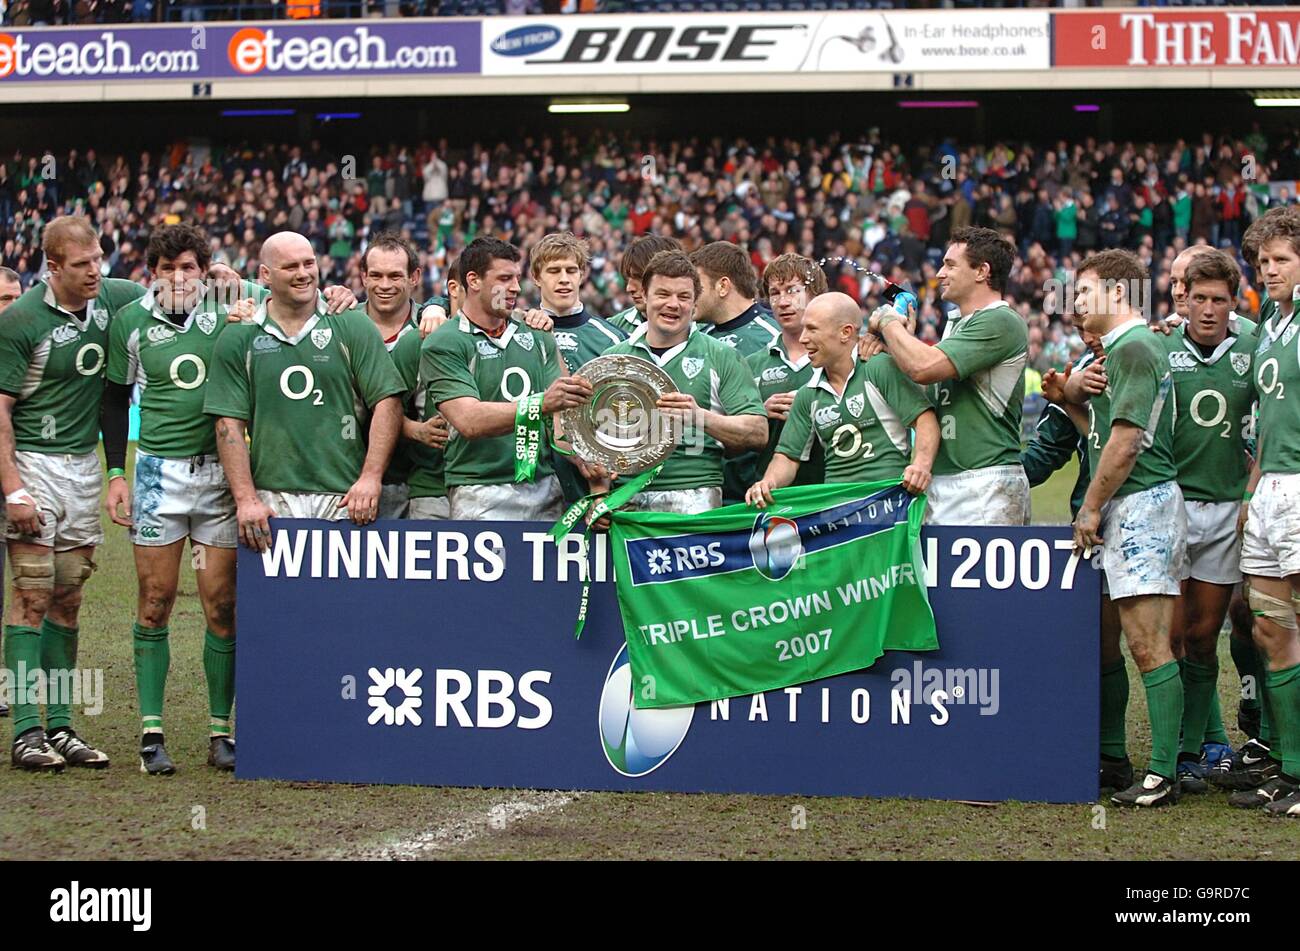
<point x="11" y="287"/>
<point x="1209" y="357"/>
<point x="478" y="369"/>
<point x="631" y="267"/>
<point x="1134" y="512"/>
<point x="716" y="402"/>
<point x="390" y="271"/>
<point x="977" y="379"/>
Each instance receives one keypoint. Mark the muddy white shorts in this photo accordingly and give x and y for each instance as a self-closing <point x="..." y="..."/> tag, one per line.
<point x="996" y="495"/>
<point x="1213" y="545"/>
<point x="680" y="501"/>
<point x="175" y="498"/>
<point x="394" y="498"/>
<point x="66" y="488"/>
<point x="304" y="505"/>
<point x="1145" y="542"/>
<point x="431" y="508"/>
<point x="1270" y="547"/>
<point x="540" y="501"/>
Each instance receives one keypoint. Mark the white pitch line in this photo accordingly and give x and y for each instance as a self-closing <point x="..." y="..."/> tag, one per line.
<point x="447" y="837"/>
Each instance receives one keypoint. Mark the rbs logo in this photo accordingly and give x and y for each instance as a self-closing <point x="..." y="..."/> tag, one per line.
<point x="489" y="699"/>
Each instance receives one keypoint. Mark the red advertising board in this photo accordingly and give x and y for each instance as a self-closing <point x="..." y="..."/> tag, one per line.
<point x="1188" y="36"/>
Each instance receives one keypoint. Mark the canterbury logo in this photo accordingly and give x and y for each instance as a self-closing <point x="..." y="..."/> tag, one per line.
<point x="1181" y="360"/>
<point x="827" y="416"/>
<point x="265" y="342"/>
<point x="159" y="334"/>
<point x="64" y="334"/>
<point x="774" y="375"/>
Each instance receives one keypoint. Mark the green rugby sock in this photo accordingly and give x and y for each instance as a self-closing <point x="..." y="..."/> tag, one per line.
<point x="1114" y="708"/>
<point x="1246" y="658"/>
<point x="219" y="669"/>
<point x="1164" y="689"/>
<point x="1199" y="688"/>
<point x="58" y="654"/>
<point x="1267" y="722"/>
<point x="153" y="657"/>
<point x="1284" y="693"/>
<point x="1214" y="731"/>
<point x="23" y="657"/>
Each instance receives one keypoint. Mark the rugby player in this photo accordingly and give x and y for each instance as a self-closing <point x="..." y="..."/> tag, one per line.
<point x="308" y="386"/>
<point x="427" y="444"/>
<point x="390" y="272"/>
<point x="1062" y="430"/>
<point x="791" y="281"/>
<point x="1270" y="552"/>
<point x="631" y="266"/>
<point x="977" y="378"/>
<point x="11" y="287"/>
<point x="1134" y="510"/>
<point x="728" y="311"/>
<point x="559" y="264"/>
<point x="164" y="343"/>
<point x="53" y="342"/>
<point x="858" y="411"/>
<point x="716" y="402"/>
<point x="475" y="369"/>
<point x="1209" y="357"/>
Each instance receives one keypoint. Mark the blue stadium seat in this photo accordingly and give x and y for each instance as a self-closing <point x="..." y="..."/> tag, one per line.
<point x="839" y="4"/>
<point x="450" y="8"/>
<point x="730" y="6"/>
<point x="819" y="5"/>
<point x="709" y="6"/>
<point x="752" y="6"/>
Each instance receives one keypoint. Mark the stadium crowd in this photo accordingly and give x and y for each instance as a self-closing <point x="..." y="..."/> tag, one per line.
<point x="859" y="205"/>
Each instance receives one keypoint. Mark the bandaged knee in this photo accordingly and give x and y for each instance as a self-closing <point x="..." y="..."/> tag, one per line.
<point x="1280" y="612"/>
<point x="71" y="569"/>
<point x="33" y="572"/>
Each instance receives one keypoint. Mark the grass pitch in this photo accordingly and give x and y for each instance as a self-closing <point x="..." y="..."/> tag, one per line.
<point x="201" y="814"/>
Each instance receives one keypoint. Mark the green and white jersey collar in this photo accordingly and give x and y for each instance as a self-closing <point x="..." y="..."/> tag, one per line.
<point x="1274" y="327"/>
<point x="667" y="357"/>
<point x="818" y="379"/>
<point x="99" y="314"/>
<point x="205" y="316"/>
<point x="954" y="322"/>
<point x="469" y="327"/>
<point x="778" y="347"/>
<point x="1234" y="332"/>
<point x="1110" y="339"/>
<point x="263" y="319"/>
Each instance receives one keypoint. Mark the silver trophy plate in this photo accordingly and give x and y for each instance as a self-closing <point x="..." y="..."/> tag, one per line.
<point x="620" y="427"/>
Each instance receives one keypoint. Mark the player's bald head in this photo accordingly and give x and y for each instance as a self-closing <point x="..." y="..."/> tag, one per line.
<point x="837" y="309"/>
<point x="285" y="246"/>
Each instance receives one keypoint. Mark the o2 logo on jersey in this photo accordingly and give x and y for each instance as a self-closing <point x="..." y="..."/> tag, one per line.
<point x="200" y="372"/>
<point x="637" y="742"/>
<point x="307" y="389"/>
<point x="89" y="369"/>
<point x="775" y="545"/>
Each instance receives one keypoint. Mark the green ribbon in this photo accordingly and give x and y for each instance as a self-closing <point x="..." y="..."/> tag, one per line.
<point x="528" y="436"/>
<point x="598" y="506"/>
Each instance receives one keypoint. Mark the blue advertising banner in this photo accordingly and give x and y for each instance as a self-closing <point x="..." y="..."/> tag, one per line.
<point x="442" y="653"/>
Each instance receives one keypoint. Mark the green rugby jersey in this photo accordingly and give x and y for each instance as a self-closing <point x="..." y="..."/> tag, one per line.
<point x="580" y="337"/>
<point x="1213" y="397"/>
<point x="747" y="334"/>
<point x="1277" y="384"/>
<point x="424" y="464"/>
<point x="171" y="363"/>
<point x="1139" y="390"/>
<point x="460" y="360"/>
<point x="628" y="320"/>
<point x="399" y="466"/>
<point x="774" y="373"/>
<point x="306" y="399"/>
<point x="979" y="411"/>
<point x="720" y="381"/>
<point x="863" y="431"/>
<point x="52" y="363"/>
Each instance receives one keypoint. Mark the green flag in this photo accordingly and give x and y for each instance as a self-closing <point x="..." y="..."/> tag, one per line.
<point x="739" y="600"/>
